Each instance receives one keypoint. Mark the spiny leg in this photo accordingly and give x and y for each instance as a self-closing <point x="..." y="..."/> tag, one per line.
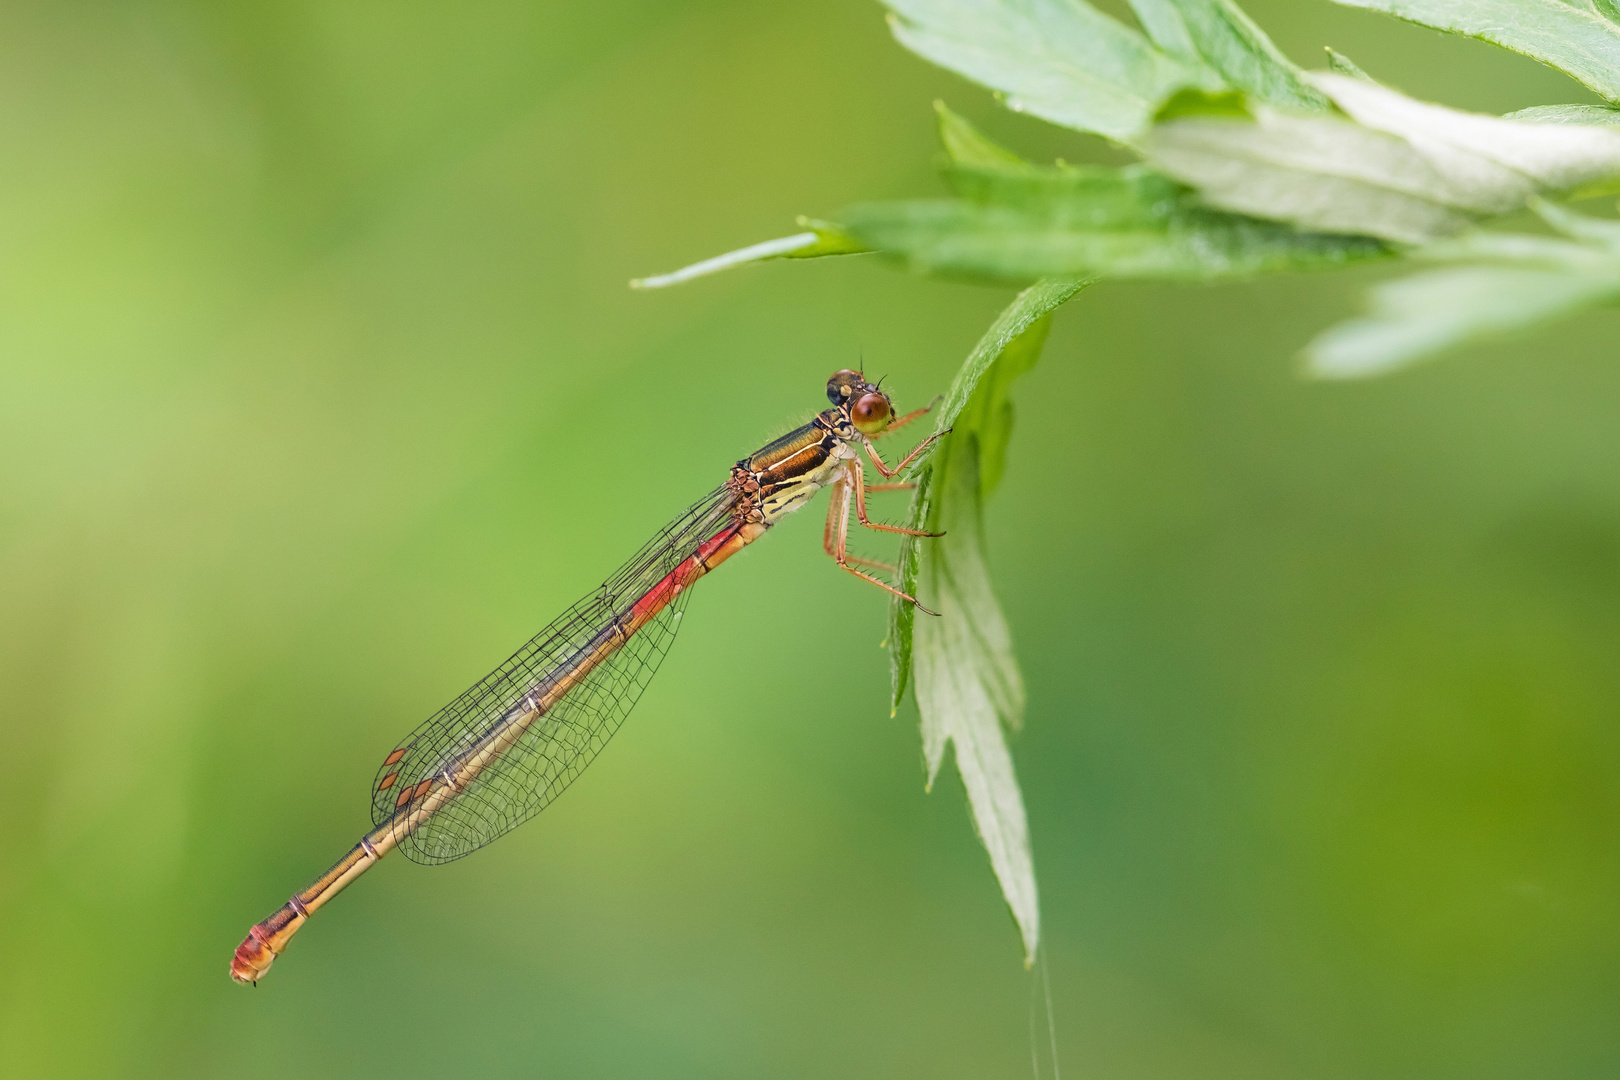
<point x="891" y="487"/>
<point x="840" y="499"/>
<point x="840" y="510"/>
<point x="889" y="473"/>
<point x="860" y="508"/>
<point x="886" y="587"/>
<point x="837" y="520"/>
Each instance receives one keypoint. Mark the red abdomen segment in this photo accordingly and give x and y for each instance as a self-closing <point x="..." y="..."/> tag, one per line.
<point x="710" y="554"/>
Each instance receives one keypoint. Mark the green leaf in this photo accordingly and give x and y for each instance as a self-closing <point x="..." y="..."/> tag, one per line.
<point x="978" y="406"/>
<point x="1011" y="336"/>
<point x="1517" y="281"/>
<point x="967" y="682"/>
<point x="1404" y="170"/>
<point x="1098" y="196"/>
<point x="988" y="415"/>
<point x="1340" y="64"/>
<point x="1427" y="313"/>
<point x="1017" y="225"/>
<point x="1217" y="35"/>
<point x="1061" y="60"/>
<point x="968" y="688"/>
<point x="1567" y="114"/>
<point x="967" y="145"/>
<point x="903" y="616"/>
<point x="1319" y="173"/>
<point x="1581" y="39"/>
<point x="1128" y="222"/>
<point x="819" y="238"/>
<point x="1006" y="336"/>
<point x="1475" y="150"/>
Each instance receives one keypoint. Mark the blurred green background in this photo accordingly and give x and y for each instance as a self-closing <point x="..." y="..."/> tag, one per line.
<point x="321" y="389"/>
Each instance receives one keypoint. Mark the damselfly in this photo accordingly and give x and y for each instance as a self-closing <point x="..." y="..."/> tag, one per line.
<point x="501" y="752"/>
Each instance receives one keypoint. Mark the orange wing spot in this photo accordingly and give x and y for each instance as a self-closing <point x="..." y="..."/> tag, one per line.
<point x="404" y="797"/>
<point x="395" y="756"/>
<point x="421" y="789"/>
<point x="388" y="781"/>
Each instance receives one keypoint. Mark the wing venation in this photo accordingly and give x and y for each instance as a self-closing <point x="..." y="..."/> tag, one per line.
<point x="555" y="747"/>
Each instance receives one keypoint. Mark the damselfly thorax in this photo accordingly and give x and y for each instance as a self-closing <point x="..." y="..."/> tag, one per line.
<point x="501" y="752"/>
<point x="785" y="474"/>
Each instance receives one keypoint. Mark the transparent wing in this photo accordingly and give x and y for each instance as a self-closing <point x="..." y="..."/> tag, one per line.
<point x="557" y="746"/>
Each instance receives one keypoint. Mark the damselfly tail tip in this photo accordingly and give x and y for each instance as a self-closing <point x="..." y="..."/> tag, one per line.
<point x="253" y="958"/>
<point x="266" y="940"/>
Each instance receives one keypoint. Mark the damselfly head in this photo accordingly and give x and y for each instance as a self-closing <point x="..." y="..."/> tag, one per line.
<point x="869" y="407"/>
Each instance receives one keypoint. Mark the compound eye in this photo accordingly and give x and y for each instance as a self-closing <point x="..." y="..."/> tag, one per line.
<point x="870" y="413"/>
<point x="841" y="385"/>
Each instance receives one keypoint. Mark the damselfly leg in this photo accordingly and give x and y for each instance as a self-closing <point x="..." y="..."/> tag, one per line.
<point x="838" y="528"/>
<point x="888" y="473"/>
<point x="851" y="487"/>
<point x="844" y="489"/>
<point x="859" y="482"/>
<point x="837" y="512"/>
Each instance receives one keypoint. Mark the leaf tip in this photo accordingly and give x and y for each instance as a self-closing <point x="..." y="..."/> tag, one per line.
<point x="1340" y="64"/>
